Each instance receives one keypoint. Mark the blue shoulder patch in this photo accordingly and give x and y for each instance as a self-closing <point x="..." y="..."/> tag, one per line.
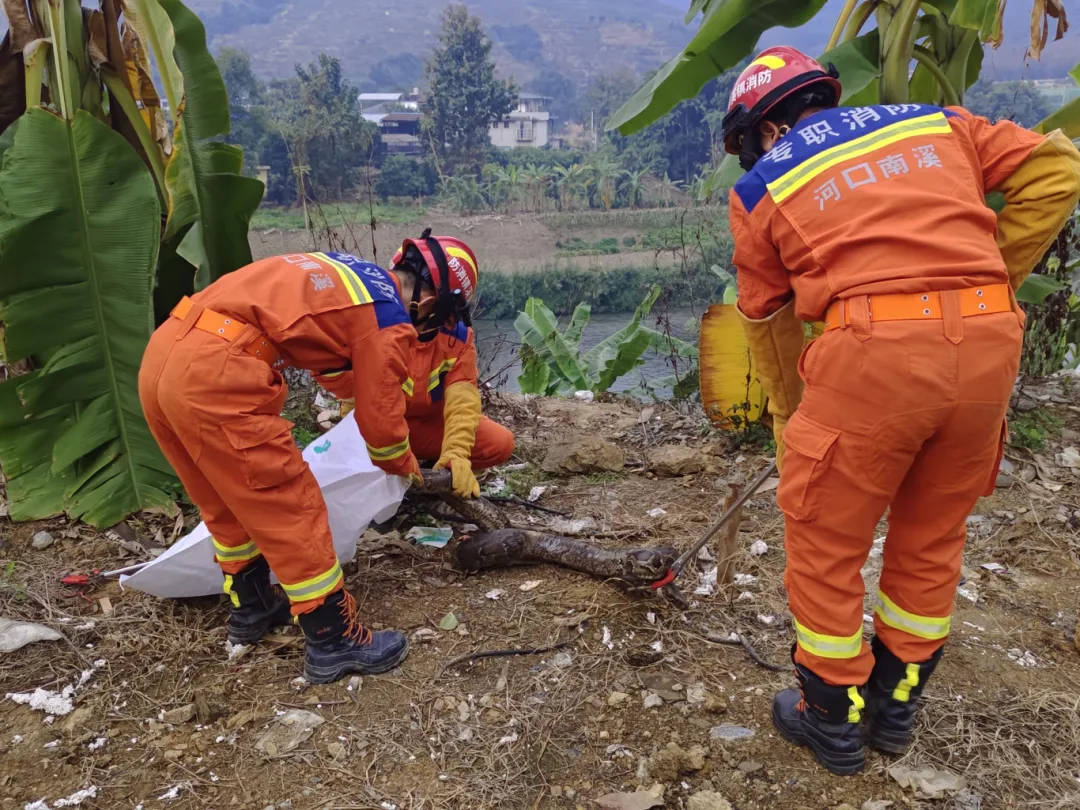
<point x="459" y="332"/>
<point x="751" y="188"/>
<point x="389" y="309"/>
<point x="827" y="129"/>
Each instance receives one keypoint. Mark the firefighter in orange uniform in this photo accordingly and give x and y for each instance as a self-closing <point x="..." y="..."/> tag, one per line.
<point x="212" y="390"/>
<point x="873" y="219"/>
<point x="443" y="400"/>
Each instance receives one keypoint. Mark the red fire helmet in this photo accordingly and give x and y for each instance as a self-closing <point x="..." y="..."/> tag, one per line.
<point x="460" y="260"/>
<point x="774" y="75"/>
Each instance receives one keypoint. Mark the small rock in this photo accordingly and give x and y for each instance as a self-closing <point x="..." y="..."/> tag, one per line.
<point x="42" y="540"/>
<point x="585" y="454"/>
<point x="289" y="730"/>
<point x="617" y="699"/>
<point x="730" y="733"/>
<point x="181" y="714"/>
<point x="695" y="694"/>
<point x="562" y="660"/>
<point x="356" y="683"/>
<point x="449" y="622"/>
<point x="749" y="766"/>
<point x="675" y="460"/>
<point x="929" y="783"/>
<point x="652" y="700"/>
<point x="715" y="704"/>
<point x="877" y="804"/>
<point x="968" y="800"/>
<point x="336" y="751"/>
<point x="707" y="800"/>
<point x="641" y="800"/>
<point x="667" y="764"/>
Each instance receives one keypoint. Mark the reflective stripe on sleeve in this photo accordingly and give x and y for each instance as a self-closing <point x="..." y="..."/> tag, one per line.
<point x="388" y="453"/>
<point x="444" y="366"/>
<point x="408" y="386"/>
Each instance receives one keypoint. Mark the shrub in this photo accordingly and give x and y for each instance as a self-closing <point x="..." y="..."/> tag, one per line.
<point x="402" y="176"/>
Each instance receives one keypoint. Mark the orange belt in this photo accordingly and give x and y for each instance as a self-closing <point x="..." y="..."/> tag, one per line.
<point x="924" y="306"/>
<point x="228" y="328"/>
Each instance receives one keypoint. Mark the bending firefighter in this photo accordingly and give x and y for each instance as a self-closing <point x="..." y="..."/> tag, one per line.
<point x="873" y="219"/>
<point x="212" y="392"/>
<point x="442" y="398"/>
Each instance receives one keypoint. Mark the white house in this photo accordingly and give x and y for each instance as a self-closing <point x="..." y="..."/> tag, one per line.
<point x="529" y="124"/>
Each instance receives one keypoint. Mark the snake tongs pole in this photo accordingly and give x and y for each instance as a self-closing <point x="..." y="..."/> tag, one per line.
<point x="677" y="566"/>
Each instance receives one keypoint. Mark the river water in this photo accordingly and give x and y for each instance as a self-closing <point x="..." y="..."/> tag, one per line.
<point x="497" y="346"/>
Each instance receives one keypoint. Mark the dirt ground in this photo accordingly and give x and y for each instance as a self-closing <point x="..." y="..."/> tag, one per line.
<point x="505" y="243"/>
<point x="165" y="719"/>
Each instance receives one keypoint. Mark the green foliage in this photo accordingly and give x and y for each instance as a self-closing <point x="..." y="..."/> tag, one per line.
<point x="464" y="96"/>
<point x="339" y="215"/>
<point x="79" y="235"/>
<point x="97" y="210"/>
<point x="1032" y="429"/>
<point x="1015" y="101"/>
<point x="402" y="176"/>
<point x="552" y="361"/>
<point x="1052" y="306"/>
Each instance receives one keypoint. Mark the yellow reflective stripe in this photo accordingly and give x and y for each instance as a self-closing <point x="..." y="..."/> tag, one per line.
<point x="330" y="375"/>
<point x="224" y="553"/>
<point x="408" y="386"/>
<point x="388" y="453"/>
<point x="316" y="587"/>
<point x="825" y="646"/>
<point x="433" y="377"/>
<point x="928" y="627"/>
<point x="902" y="692"/>
<point x="227" y="588"/>
<point x="787" y="184"/>
<point x="857" y="704"/>
<point x="358" y="293"/>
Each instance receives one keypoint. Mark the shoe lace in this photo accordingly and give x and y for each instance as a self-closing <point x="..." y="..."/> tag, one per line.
<point x="354" y="629"/>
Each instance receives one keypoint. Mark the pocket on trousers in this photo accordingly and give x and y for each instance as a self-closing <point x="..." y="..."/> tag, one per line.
<point x="265" y="445"/>
<point x="808" y="451"/>
<point x="1003" y="437"/>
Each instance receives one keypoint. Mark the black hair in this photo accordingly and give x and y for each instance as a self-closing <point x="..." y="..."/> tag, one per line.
<point x="786" y="112"/>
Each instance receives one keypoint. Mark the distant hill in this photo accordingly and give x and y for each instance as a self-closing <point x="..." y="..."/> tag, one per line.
<point x="383" y="44"/>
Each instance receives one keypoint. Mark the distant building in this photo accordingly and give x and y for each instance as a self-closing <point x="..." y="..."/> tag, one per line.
<point x="529" y="124"/>
<point x="375" y="106"/>
<point x="400" y="132"/>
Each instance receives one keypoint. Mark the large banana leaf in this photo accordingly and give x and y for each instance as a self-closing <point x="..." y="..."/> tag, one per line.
<point x="79" y="231"/>
<point x="620" y="352"/>
<point x="210" y="203"/>
<point x="539" y="330"/>
<point x="729" y="31"/>
<point x="1067" y="119"/>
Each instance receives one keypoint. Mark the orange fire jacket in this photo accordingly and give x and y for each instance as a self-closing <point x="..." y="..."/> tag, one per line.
<point x="341" y="318"/>
<point x="865" y="200"/>
<point x="436" y="365"/>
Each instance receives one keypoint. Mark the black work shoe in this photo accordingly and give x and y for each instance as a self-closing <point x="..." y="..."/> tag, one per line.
<point x="893" y="697"/>
<point x="337" y="644"/>
<point x="257" y="606"/>
<point x="824" y="718"/>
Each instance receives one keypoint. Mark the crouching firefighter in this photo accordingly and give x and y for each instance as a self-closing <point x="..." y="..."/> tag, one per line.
<point x="442" y="395"/>
<point x="212" y="390"/>
<point x="873" y="220"/>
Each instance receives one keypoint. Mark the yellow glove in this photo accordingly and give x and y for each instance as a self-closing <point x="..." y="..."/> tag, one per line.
<point x="346" y="405"/>
<point x="1040" y="196"/>
<point x="775" y="345"/>
<point x="461" y="416"/>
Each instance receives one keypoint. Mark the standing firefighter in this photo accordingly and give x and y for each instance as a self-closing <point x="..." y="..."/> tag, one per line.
<point x="442" y="394"/>
<point x="212" y="392"/>
<point x="873" y="219"/>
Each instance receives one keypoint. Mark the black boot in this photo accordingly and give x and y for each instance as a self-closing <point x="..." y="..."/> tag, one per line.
<point x="256" y="605"/>
<point x="337" y="644"/>
<point x="825" y="718"/>
<point x="893" y="697"/>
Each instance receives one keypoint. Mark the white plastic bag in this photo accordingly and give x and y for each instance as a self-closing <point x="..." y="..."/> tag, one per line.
<point x="356" y="493"/>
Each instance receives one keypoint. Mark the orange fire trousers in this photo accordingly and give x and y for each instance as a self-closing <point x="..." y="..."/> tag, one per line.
<point x="494" y="443"/>
<point x="215" y="412"/>
<point x="904" y="415"/>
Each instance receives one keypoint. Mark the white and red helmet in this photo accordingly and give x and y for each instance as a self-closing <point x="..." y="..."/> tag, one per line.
<point x="460" y="276"/>
<point x="774" y="75"/>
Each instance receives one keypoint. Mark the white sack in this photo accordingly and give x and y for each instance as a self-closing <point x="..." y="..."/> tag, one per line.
<point x="356" y="493"/>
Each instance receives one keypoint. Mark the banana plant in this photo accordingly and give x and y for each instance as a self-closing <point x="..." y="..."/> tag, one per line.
<point x="944" y="40"/>
<point x="101" y="201"/>
<point x="552" y="361"/>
